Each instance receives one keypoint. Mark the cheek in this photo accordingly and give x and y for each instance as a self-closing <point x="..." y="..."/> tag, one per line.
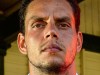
<point x="70" y="56"/>
<point x="66" y="38"/>
<point x="70" y="53"/>
<point x="70" y="42"/>
<point x="34" y="36"/>
<point x="69" y="37"/>
<point x="33" y="41"/>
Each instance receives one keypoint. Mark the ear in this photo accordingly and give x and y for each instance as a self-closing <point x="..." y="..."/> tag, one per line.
<point x="21" y="43"/>
<point x="79" y="41"/>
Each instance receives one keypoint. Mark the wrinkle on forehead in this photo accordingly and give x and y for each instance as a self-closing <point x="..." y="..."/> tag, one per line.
<point x="45" y="2"/>
<point x="43" y="9"/>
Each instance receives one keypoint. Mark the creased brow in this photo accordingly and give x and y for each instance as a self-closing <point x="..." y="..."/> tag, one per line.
<point x="63" y="19"/>
<point x="36" y="18"/>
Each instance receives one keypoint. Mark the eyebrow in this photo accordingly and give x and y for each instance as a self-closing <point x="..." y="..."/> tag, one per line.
<point x="63" y="19"/>
<point x="37" y="18"/>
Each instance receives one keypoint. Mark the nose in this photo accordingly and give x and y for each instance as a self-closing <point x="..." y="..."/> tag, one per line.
<point x="51" y="32"/>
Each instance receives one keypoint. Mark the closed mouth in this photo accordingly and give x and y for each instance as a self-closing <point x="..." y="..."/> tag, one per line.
<point x="51" y="48"/>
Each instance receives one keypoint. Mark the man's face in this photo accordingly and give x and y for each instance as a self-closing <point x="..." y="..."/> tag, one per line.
<point x="50" y="34"/>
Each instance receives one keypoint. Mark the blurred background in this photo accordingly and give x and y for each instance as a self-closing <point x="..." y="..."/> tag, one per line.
<point x="12" y="62"/>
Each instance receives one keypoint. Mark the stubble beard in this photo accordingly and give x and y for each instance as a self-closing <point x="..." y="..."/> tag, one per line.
<point x="53" y="68"/>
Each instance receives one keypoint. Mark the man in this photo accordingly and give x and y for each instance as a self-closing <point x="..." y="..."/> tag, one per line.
<point x="50" y="36"/>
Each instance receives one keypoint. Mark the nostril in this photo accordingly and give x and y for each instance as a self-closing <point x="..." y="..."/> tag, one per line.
<point x="54" y="35"/>
<point x="51" y="36"/>
<point x="47" y="36"/>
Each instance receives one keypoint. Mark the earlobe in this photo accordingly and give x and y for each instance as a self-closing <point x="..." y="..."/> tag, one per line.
<point x="79" y="41"/>
<point x="21" y="43"/>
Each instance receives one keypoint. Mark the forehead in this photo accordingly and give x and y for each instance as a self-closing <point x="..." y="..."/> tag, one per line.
<point x="49" y="7"/>
<point x="48" y="2"/>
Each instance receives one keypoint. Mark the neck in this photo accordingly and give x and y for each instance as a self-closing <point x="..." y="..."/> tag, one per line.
<point x="71" y="70"/>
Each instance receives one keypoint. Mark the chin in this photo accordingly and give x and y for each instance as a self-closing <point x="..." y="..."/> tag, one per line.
<point x="48" y="58"/>
<point x="53" y="61"/>
<point x="52" y="66"/>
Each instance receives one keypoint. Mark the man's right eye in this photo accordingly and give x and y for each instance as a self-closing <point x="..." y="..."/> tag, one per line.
<point x="38" y="25"/>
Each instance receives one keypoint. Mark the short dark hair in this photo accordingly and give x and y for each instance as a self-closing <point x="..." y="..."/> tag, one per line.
<point x="25" y="3"/>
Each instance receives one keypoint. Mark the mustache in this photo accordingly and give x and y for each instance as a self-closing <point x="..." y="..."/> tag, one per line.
<point x="52" y="44"/>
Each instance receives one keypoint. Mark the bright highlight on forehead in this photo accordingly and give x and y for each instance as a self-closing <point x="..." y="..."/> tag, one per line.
<point x="58" y="3"/>
<point x="49" y="6"/>
<point x="57" y="9"/>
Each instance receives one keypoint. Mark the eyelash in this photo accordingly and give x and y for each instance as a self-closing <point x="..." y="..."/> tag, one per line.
<point x="62" y="25"/>
<point x="38" y="25"/>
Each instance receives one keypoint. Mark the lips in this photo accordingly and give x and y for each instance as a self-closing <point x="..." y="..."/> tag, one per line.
<point x="52" y="48"/>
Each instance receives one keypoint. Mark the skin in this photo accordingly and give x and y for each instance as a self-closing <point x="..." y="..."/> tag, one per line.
<point x="50" y="37"/>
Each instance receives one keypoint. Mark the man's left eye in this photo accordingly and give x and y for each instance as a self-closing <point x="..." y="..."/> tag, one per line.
<point x="63" y="25"/>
